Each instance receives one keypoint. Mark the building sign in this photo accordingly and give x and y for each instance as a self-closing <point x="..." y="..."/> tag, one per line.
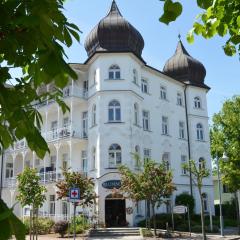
<point x="111" y="184"/>
<point x="74" y="194"/>
<point x="180" y="209"/>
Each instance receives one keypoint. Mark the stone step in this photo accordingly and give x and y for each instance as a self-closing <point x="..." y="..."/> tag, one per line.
<point x="114" y="232"/>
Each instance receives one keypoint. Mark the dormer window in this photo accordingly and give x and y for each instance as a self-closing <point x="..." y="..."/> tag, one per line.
<point x="197" y="102"/>
<point x="114" y="72"/>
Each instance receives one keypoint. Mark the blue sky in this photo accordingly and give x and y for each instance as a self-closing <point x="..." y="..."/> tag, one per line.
<point x="223" y="73"/>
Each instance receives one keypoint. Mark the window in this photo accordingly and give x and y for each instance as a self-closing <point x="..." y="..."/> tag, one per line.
<point x="166" y="161"/>
<point x="52" y="204"/>
<point x="84" y="161"/>
<point x="94" y="162"/>
<point x="65" y="161"/>
<point x="54" y="129"/>
<point x="145" y="86"/>
<point x="114" y="155"/>
<point x="136" y="114"/>
<point x="225" y="189"/>
<point x="95" y="77"/>
<point x="201" y="163"/>
<point x="9" y="170"/>
<point x="114" y="72"/>
<point x="146" y="121"/>
<point x="114" y="111"/>
<point x="137" y="157"/>
<point x="164" y="125"/>
<point x="139" y="207"/>
<point x="65" y="209"/>
<point x="205" y="202"/>
<point x="135" y="76"/>
<point x="179" y="99"/>
<point x="197" y="102"/>
<point x="181" y="130"/>
<point x="94" y="117"/>
<point x="183" y="161"/>
<point x="65" y="122"/>
<point x="163" y="93"/>
<point x="146" y="155"/>
<point x="85" y="124"/>
<point x="53" y="162"/>
<point x="199" y="132"/>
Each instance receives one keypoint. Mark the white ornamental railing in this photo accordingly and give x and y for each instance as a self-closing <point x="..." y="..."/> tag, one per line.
<point x="10" y="182"/>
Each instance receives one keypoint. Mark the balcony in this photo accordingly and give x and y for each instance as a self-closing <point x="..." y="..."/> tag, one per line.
<point x="69" y="91"/>
<point x="10" y="182"/>
<point x="62" y="133"/>
<point x="48" y="177"/>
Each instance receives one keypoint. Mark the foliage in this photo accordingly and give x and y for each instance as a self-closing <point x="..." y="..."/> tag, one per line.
<point x="61" y="227"/>
<point x="43" y="225"/>
<point x="153" y="184"/>
<point x="228" y="210"/>
<point x="225" y="134"/>
<point x="198" y="174"/>
<point x="81" y="224"/>
<point x="146" y="232"/>
<point x="76" y="179"/>
<point x="31" y="193"/>
<point x="10" y="224"/>
<point x="186" y="200"/>
<point x="32" y="35"/>
<point x="217" y="17"/>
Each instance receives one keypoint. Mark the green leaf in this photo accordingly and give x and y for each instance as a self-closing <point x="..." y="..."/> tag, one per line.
<point x="190" y="36"/>
<point x="238" y="21"/>
<point x="171" y="11"/>
<point x="67" y="37"/>
<point x="204" y="3"/>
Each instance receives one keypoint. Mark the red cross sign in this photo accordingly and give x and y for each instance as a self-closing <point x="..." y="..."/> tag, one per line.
<point x="74" y="195"/>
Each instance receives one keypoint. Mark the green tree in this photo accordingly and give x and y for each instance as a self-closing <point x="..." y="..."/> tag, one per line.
<point x="32" y="36"/>
<point x="31" y="193"/>
<point x="224" y="136"/>
<point x="78" y="180"/>
<point x="186" y="200"/>
<point x="199" y="172"/>
<point x="217" y="17"/>
<point x="154" y="184"/>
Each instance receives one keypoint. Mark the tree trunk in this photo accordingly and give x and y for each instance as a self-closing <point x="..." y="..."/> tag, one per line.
<point x="202" y="216"/>
<point x="148" y="222"/>
<point x="37" y="224"/>
<point x="237" y="211"/>
<point x="154" y="218"/>
<point x="30" y="225"/>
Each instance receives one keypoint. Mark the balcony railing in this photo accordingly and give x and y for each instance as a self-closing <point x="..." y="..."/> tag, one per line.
<point x="65" y="132"/>
<point x="20" y="144"/>
<point x="10" y="182"/>
<point x="69" y="91"/>
<point x="48" y="177"/>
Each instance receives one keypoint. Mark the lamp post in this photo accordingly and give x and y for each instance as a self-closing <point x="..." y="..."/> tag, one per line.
<point x="224" y="158"/>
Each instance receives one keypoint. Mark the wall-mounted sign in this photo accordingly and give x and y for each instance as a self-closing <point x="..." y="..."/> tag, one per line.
<point x="111" y="184"/>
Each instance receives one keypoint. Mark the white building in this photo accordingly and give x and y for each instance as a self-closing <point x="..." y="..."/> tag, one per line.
<point x="120" y="105"/>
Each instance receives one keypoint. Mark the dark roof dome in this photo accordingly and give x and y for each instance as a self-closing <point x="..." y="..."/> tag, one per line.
<point x="114" y="34"/>
<point x="183" y="67"/>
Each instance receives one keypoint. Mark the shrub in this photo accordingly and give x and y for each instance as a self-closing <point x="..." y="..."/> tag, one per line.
<point x="61" y="227"/>
<point x="146" y="232"/>
<point x="186" y="200"/>
<point x="43" y="225"/>
<point x="196" y="228"/>
<point x="81" y="224"/>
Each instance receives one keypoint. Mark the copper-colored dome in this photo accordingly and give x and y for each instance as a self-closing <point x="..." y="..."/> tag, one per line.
<point x="114" y="34"/>
<point x="183" y="67"/>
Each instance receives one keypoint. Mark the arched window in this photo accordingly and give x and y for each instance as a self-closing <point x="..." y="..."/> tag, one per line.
<point x="166" y="161"/>
<point x="94" y="115"/>
<point x="137" y="157"/>
<point x="199" y="132"/>
<point x="114" y="155"/>
<point x="135" y="76"/>
<point x="201" y="163"/>
<point x="136" y="114"/>
<point x="114" y="72"/>
<point x="94" y="162"/>
<point x="197" y="102"/>
<point x="114" y="111"/>
<point x="205" y="202"/>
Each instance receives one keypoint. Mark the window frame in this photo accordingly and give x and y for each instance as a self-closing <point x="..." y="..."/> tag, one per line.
<point x="197" y="102"/>
<point x="163" y="92"/>
<point x="114" y="72"/>
<point x="94" y="115"/>
<point x="144" y="86"/>
<point x="179" y="99"/>
<point x="183" y="161"/>
<point x="114" y="153"/>
<point x="136" y="113"/>
<point x="181" y="129"/>
<point x="200" y="132"/>
<point x="146" y="120"/>
<point x="147" y="152"/>
<point x="165" y="125"/>
<point x="166" y="161"/>
<point x="114" y="106"/>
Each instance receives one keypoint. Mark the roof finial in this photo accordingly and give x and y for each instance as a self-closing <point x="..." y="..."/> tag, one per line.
<point x="114" y="8"/>
<point x="179" y="37"/>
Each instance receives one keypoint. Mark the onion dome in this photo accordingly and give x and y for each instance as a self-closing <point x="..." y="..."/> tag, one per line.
<point x="185" y="68"/>
<point x="114" y="34"/>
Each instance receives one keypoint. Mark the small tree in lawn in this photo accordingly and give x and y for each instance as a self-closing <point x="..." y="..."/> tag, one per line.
<point x="198" y="174"/>
<point x="153" y="184"/>
<point x="31" y="193"/>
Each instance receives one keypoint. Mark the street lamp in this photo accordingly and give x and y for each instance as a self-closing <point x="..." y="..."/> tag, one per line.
<point x="224" y="158"/>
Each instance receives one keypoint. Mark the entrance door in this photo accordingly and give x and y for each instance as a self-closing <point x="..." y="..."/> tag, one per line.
<point x="115" y="212"/>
